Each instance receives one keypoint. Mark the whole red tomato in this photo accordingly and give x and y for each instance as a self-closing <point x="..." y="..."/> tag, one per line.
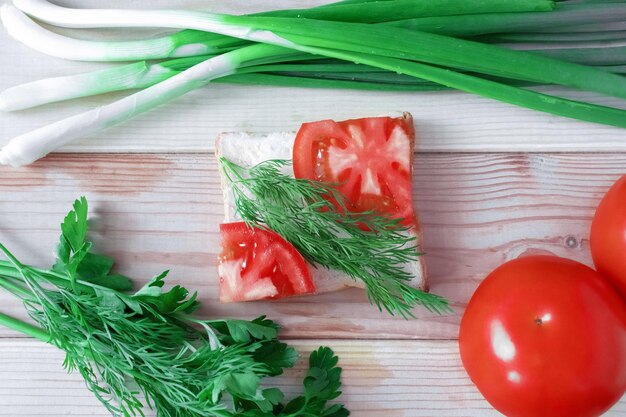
<point x="546" y="337"/>
<point x="608" y="236"/>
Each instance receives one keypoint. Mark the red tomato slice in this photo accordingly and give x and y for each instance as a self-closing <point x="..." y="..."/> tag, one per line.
<point x="258" y="264"/>
<point x="371" y="159"/>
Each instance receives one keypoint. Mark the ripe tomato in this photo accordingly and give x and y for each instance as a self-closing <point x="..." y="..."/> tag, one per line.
<point x="546" y="336"/>
<point x="257" y="264"/>
<point x="371" y="159"/>
<point x="608" y="236"/>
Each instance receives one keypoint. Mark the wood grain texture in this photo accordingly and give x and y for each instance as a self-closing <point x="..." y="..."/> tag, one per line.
<point x="446" y="121"/>
<point x="155" y="212"/>
<point x="390" y="378"/>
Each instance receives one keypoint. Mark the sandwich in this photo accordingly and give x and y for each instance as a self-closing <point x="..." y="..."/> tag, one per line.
<point x="369" y="161"/>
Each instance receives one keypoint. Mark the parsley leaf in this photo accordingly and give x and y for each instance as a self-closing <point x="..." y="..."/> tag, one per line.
<point x="276" y="356"/>
<point x="321" y="385"/>
<point x="243" y="331"/>
<point x="72" y="246"/>
<point x="175" y="300"/>
<point x="323" y="381"/>
<point x="74" y="256"/>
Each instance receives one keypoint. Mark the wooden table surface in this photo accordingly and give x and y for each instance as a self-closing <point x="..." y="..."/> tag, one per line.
<point x="492" y="182"/>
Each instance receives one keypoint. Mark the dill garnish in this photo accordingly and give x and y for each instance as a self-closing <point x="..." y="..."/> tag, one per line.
<point x="312" y="216"/>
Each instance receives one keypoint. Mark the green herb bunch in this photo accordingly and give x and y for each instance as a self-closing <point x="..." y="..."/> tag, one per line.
<point x="312" y="216"/>
<point x="145" y="350"/>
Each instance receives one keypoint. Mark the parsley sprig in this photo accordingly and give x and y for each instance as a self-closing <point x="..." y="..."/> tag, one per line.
<point x="145" y="350"/>
<point x="368" y="247"/>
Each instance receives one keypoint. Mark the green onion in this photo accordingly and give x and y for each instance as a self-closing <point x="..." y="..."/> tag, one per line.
<point x="184" y="43"/>
<point x="293" y="53"/>
<point x="131" y="76"/>
<point x="50" y="90"/>
<point x="144" y="74"/>
<point x="619" y="69"/>
<point x="555" y="37"/>
<point x="381" y="11"/>
<point x="181" y="44"/>
<point x="434" y="49"/>
<point x="492" y="89"/>
<point x="279" y="80"/>
<point x="301" y="34"/>
<point x="617" y="25"/>
<point x="564" y="16"/>
<point x="31" y="146"/>
<point x="597" y="56"/>
<point x="195" y="43"/>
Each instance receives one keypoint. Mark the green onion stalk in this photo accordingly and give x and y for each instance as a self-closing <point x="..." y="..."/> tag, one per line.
<point x="565" y="17"/>
<point x="180" y="44"/>
<point x="143" y="74"/>
<point x="33" y="145"/>
<point x="194" y="42"/>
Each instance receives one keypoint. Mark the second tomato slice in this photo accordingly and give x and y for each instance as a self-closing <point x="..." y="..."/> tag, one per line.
<point x="258" y="264"/>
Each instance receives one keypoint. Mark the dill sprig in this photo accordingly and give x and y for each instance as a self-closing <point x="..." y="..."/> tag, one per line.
<point x="312" y="215"/>
<point x="145" y="350"/>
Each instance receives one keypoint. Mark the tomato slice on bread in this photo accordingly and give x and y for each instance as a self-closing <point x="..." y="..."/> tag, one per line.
<point x="257" y="264"/>
<point x="371" y="159"/>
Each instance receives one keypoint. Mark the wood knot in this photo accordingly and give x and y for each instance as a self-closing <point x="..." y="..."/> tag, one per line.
<point x="571" y="242"/>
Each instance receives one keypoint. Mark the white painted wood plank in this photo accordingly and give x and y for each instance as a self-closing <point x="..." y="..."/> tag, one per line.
<point x="156" y="212"/>
<point x="446" y="121"/>
<point x="391" y="378"/>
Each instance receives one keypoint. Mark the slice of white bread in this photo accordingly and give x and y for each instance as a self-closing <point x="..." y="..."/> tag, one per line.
<point x="247" y="150"/>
